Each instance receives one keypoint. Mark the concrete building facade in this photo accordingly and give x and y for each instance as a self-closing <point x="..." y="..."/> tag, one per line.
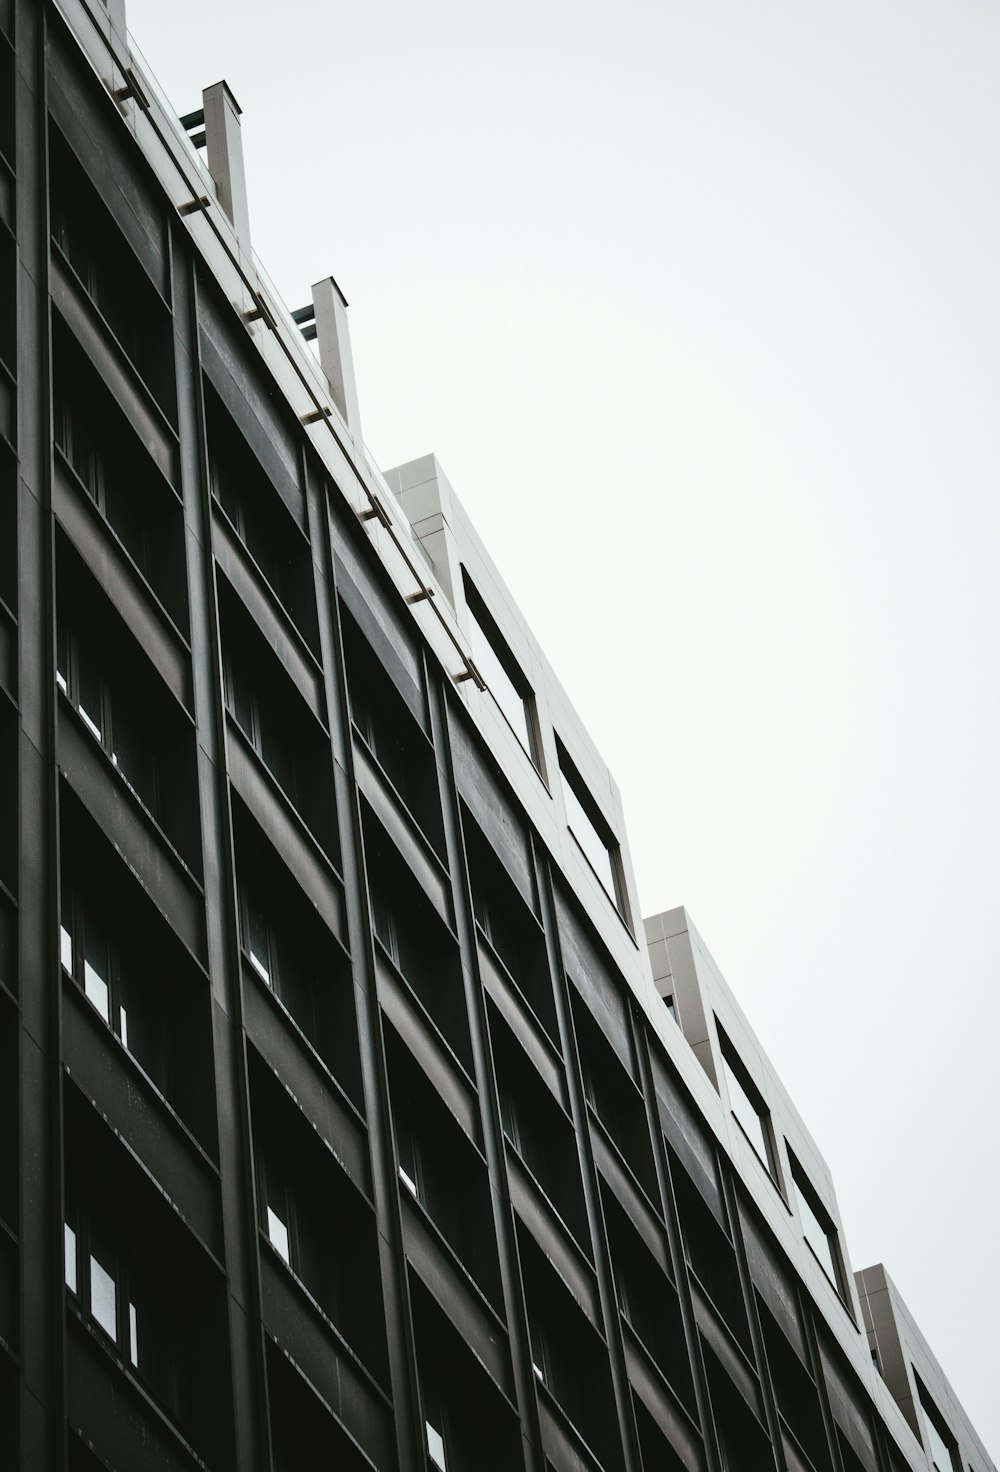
<point x="355" y="1117"/>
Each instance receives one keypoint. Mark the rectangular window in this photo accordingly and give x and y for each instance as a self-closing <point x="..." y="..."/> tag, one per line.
<point x="501" y="672"/>
<point x="69" y="1250"/>
<point x="937" y="1439"/>
<point x="590" y="831"/>
<point x="752" y="1114"/>
<point x="817" y="1227"/>
<point x="103" y="1298"/>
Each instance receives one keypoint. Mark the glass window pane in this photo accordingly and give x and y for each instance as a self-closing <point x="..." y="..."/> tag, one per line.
<point x="746" y="1112"/>
<point x="277" y="1233"/>
<point x="588" y="837"/>
<point x="257" y="940"/>
<point x="940" y="1454"/>
<point x="69" y="1251"/>
<point x="816" y="1235"/>
<point x="435" y="1447"/>
<point x="103" y="1298"/>
<point x="65" y="948"/>
<point x="133" y="1335"/>
<point x="133" y="755"/>
<point x="89" y="694"/>
<point x="62" y="657"/>
<point x="500" y="684"/>
<point x="96" y="969"/>
<point x="240" y="700"/>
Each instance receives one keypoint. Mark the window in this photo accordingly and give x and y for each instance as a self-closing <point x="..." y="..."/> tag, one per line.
<point x="751" y="1112"/>
<point x="391" y="731"/>
<point x="819" y="1231"/>
<point x="937" y="1438"/>
<point x="499" y="669"/>
<point x="435" y="1429"/>
<point x="590" y="831"/>
<point x="256" y="722"/>
<point x="110" y="1293"/>
<point x="113" y="983"/>
<point x="295" y="1220"/>
<point x="277" y="964"/>
<point x="257" y="514"/>
<point x="671" y="1007"/>
<point x="80" y="443"/>
<point x="107" y="715"/>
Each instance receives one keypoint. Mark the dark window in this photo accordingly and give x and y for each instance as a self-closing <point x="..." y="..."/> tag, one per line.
<point x="511" y="927"/>
<point x="938" y="1439"/>
<point x="114" y="1295"/>
<point x="116" y="983"/>
<point x="260" y="518"/>
<point x="538" y="1129"/>
<point x="587" y="825"/>
<point x="315" y="1221"/>
<point x="108" y="713"/>
<point x="391" y="734"/>
<point x="278" y="963"/>
<point x="97" y="442"/>
<point x="818" y="1227"/>
<point x="747" y="1104"/>
<point x="258" y="721"/>
<point x="88" y="239"/>
<point x="504" y="678"/>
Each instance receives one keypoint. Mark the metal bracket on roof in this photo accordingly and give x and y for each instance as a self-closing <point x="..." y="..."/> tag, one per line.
<point x="192" y="206"/>
<point x="131" y="89"/>
<point x="375" y="512"/>
<point x="470" y="673"/>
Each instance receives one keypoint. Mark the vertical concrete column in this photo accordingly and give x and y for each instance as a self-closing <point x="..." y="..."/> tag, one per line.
<point x="334" y="337"/>
<point x="224" y="141"/>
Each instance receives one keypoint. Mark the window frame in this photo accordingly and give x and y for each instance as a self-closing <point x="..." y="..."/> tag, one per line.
<point x="936" y="1426"/>
<point x="71" y="656"/>
<point x="806" y="1196"/>
<point x="574" y="787"/>
<point x="156" y="1068"/>
<point x="736" y="1073"/>
<point x="483" y="625"/>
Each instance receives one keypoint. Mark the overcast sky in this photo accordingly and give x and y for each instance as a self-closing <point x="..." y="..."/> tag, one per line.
<point x="698" y="303"/>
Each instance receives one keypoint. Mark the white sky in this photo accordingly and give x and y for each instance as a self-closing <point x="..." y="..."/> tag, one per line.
<point x="698" y="303"/>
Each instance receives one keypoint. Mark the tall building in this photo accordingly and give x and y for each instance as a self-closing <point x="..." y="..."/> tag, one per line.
<point x="353" y="1117"/>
